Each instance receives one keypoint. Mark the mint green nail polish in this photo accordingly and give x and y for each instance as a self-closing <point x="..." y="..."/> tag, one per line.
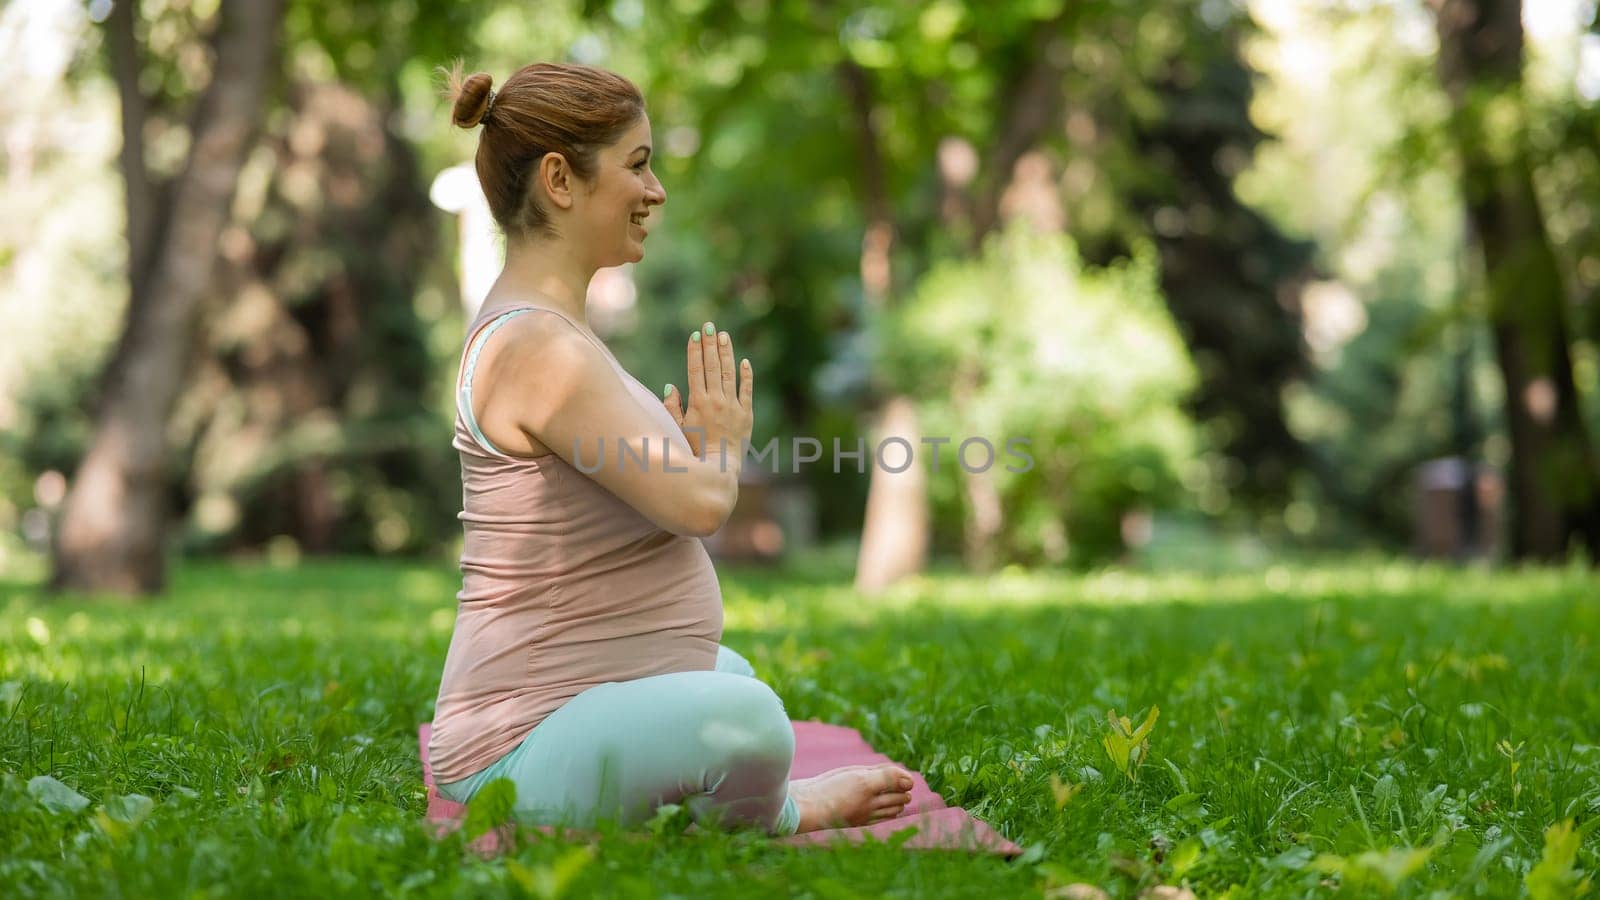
<point x="666" y="392"/>
<point x="695" y="337"/>
<point x="708" y="329"/>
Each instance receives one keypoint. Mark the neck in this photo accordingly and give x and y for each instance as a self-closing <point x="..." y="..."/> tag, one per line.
<point x="548" y="272"/>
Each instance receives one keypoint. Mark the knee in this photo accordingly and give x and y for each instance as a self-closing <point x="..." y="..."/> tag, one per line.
<point x="749" y="723"/>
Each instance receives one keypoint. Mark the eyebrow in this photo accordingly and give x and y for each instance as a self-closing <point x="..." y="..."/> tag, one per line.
<point x="644" y="147"/>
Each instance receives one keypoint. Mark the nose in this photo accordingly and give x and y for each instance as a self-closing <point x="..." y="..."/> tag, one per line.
<point x="655" y="194"/>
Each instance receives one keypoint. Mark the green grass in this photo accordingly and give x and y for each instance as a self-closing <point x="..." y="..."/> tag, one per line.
<point x="1345" y="729"/>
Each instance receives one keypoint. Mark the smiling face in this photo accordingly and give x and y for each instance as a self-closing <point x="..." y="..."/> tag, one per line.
<point x="614" y="210"/>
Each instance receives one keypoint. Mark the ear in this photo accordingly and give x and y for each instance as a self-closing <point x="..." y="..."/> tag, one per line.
<point x="557" y="178"/>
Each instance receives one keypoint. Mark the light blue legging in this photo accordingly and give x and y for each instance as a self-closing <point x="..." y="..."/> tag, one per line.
<point x="719" y="742"/>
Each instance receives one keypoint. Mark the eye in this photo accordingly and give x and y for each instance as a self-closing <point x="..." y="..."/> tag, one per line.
<point x="639" y="166"/>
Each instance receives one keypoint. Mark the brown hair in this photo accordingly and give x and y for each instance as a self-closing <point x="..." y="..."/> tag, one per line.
<point x="569" y="109"/>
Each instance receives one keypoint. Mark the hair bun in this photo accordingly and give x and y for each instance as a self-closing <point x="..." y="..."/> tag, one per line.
<point x="472" y="100"/>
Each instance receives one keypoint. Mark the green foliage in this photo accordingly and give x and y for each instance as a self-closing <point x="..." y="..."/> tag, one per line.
<point x="1127" y="746"/>
<point x="548" y="882"/>
<point x="491" y="808"/>
<point x="1386" y="336"/>
<point x="1556" y="877"/>
<point x="1417" y="378"/>
<point x="122" y="814"/>
<point x="1157" y="139"/>
<point x="670" y="818"/>
<point x="1027" y="342"/>
<point x="1375" y="871"/>
<point x="55" y="796"/>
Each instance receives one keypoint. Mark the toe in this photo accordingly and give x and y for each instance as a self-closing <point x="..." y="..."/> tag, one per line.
<point x="888" y="812"/>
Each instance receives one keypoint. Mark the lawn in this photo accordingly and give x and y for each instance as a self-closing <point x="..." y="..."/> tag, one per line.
<point x="1351" y="729"/>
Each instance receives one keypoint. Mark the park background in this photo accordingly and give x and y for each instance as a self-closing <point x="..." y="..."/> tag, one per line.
<point x="1270" y="286"/>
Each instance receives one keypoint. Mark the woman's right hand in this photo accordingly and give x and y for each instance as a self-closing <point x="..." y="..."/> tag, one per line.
<point x="720" y="407"/>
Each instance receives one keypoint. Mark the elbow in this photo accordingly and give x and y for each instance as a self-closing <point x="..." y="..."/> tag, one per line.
<point x="702" y="509"/>
<point x="708" y="517"/>
<point x="699" y="528"/>
<point x="707" y="523"/>
<point x="696" y="531"/>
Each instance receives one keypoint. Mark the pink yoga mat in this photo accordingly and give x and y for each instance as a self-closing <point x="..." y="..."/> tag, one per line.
<point x="818" y="747"/>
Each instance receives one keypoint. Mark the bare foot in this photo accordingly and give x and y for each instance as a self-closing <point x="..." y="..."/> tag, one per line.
<point x="852" y="795"/>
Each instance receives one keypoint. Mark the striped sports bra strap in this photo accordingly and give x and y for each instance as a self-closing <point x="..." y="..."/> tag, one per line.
<point x="464" y="395"/>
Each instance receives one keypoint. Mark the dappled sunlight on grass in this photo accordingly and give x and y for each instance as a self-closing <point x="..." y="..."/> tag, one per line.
<point x="757" y="607"/>
<point x="1306" y="713"/>
<point x="1293" y="702"/>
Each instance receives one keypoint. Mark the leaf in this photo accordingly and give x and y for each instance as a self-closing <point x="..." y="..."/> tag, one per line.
<point x="898" y="839"/>
<point x="1032" y="854"/>
<point x="1555" y="877"/>
<point x="670" y="818"/>
<point x="1128" y="746"/>
<point x="130" y="808"/>
<point x="122" y="814"/>
<point x="55" y="796"/>
<point x="1184" y="857"/>
<point x="1149" y="724"/>
<point x="1294" y="859"/>
<point x="490" y="808"/>
<point x="1488" y="852"/>
<point x="1183" y="783"/>
<point x="567" y="868"/>
<point x="1061" y="791"/>
<point x="1375" y="868"/>
<point x="1181" y="801"/>
<point x="551" y="881"/>
<point x="1118" y="748"/>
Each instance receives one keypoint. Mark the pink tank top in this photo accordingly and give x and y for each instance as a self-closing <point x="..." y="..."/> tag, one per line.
<point x="563" y="587"/>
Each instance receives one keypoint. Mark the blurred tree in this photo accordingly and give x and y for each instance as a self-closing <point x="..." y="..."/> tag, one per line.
<point x="837" y="157"/>
<point x="1231" y="277"/>
<point x="309" y="409"/>
<point x="298" y="373"/>
<point x="1159" y="128"/>
<point x="113" y="528"/>
<point x="895" y="530"/>
<point x="1351" y="97"/>
<point x="1100" y="438"/>
<point x="945" y="120"/>
<point x="311" y="419"/>
<point x="1555" y="476"/>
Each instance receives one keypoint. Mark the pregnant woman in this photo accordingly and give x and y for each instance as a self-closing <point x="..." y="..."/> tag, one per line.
<point x="586" y="664"/>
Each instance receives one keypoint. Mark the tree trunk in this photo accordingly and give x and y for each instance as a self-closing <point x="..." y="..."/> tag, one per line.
<point x="894" y="534"/>
<point x="144" y="197"/>
<point x="113" y="526"/>
<point x="894" y="537"/>
<point x="985" y="513"/>
<point x="1034" y="107"/>
<point x="1554" y="480"/>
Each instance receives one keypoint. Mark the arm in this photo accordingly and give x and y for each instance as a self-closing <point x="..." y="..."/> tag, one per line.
<point x="552" y="384"/>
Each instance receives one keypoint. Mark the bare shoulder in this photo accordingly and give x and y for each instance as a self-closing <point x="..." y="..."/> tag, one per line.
<point x="543" y="364"/>
<point x="546" y="346"/>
